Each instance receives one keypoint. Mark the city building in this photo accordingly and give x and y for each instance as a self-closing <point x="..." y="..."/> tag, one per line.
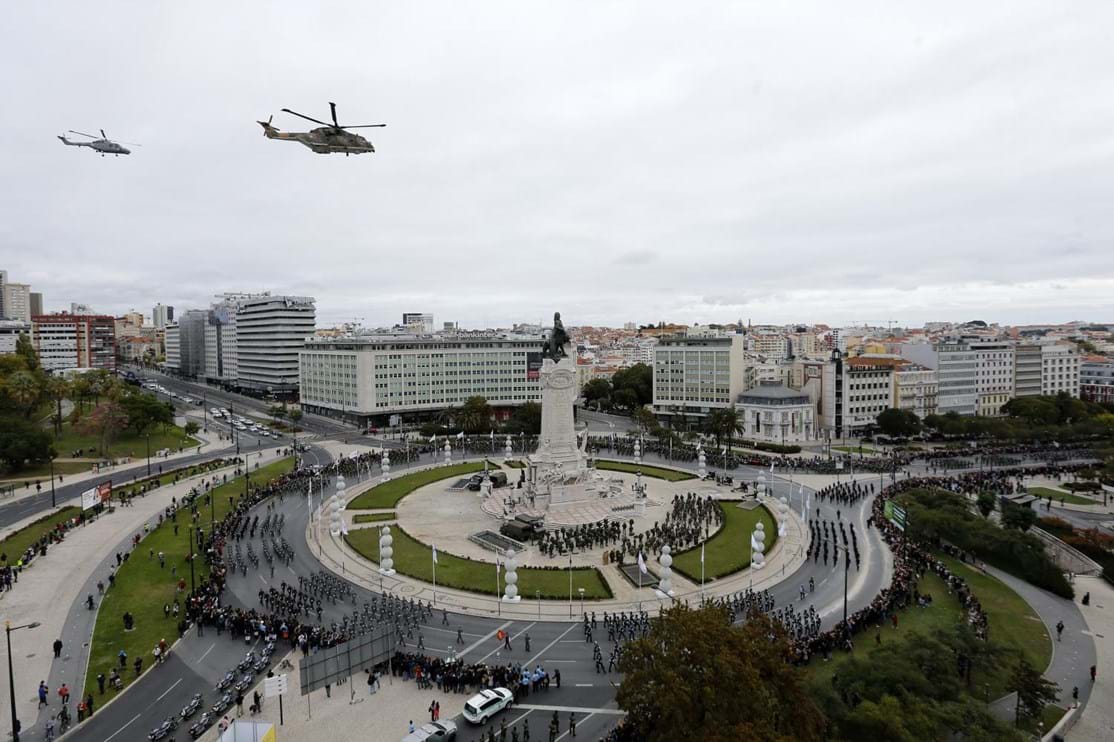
<point x="772" y="347"/>
<point x="367" y="378"/>
<point x="270" y="334"/>
<point x="81" y="309"/>
<point x="1027" y="367"/>
<point x="10" y="330"/>
<point x="775" y="413"/>
<point x="1096" y="379"/>
<point x="36" y="304"/>
<point x="136" y="348"/>
<point x="956" y="365"/>
<point x="191" y="343"/>
<point x="173" y="348"/>
<point x="67" y="341"/>
<point x="854" y="392"/>
<point x="162" y="315"/>
<point x="994" y="375"/>
<point x="695" y="375"/>
<point x="16" y="301"/>
<point x="915" y="389"/>
<point x="417" y="323"/>
<point x="1059" y="369"/>
<point x="221" y="355"/>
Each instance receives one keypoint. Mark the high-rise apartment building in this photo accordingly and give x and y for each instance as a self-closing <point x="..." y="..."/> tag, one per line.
<point x="67" y="341"/>
<point x="162" y="315"/>
<point x="270" y="334"/>
<point x="956" y="366"/>
<point x="17" y="301"/>
<point x="36" y="303"/>
<point x="173" y="346"/>
<point x="694" y="375"/>
<point x="191" y="343"/>
<point x="1059" y="369"/>
<point x="854" y="392"/>
<point x="1027" y="370"/>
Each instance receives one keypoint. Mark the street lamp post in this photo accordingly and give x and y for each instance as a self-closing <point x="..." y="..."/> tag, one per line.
<point x="846" y="569"/>
<point x="148" y="454"/>
<point x="538" y="596"/>
<point x="581" y="591"/>
<point x="8" y="629"/>
<point x="193" y="553"/>
<point x="53" y="502"/>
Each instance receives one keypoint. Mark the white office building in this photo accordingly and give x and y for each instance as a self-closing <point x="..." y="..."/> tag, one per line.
<point x="854" y="391"/>
<point x="956" y="366"/>
<point x="775" y="413"/>
<point x="16" y="302"/>
<point x="915" y="389"/>
<point x="162" y="315"/>
<point x="419" y="323"/>
<point x="10" y="330"/>
<point x="173" y="346"/>
<point x="694" y="375"/>
<point x="1059" y="369"/>
<point x="270" y="334"/>
<point x="369" y="377"/>
<point x="994" y="375"/>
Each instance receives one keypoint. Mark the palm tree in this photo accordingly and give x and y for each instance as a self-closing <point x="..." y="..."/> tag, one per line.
<point x="58" y="389"/>
<point x="723" y="423"/>
<point x="24" y="390"/>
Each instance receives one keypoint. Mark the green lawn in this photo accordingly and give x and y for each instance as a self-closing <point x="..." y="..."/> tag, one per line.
<point x="866" y="450"/>
<point x="42" y="471"/>
<point x="943" y="613"/>
<point x="1064" y="497"/>
<point x="657" y="472"/>
<point x="388" y="494"/>
<point x="514" y="464"/>
<point x="126" y="444"/>
<point x="1012" y="622"/>
<point x="15" y="544"/>
<point x="728" y="551"/>
<point x="374" y="517"/>
<point x="415" y="559"/>
<point x="142" y="587"/>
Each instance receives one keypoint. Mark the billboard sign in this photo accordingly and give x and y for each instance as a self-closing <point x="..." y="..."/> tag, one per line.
<point x="98" y="495"/>
<point x="534" y="366"/>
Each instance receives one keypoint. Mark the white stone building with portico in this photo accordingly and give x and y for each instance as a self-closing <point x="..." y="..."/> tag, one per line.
<point x="774" y="413"/>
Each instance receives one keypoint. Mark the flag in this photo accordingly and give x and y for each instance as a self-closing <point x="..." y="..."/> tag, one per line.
<point x="493" y="435"/>
<point x="435" y="553"/>
<point x="701" y="553"/>
<point x="771" y="467"/>
<point x="460" y="435"/>
<point x="433" y="439"/>
<point x="642" y="564"/>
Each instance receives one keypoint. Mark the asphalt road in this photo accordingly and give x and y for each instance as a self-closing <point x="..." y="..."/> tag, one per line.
<point x="201" y="661"/>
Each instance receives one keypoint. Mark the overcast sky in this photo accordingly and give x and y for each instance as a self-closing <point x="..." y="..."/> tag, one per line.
<point x="779" y="162"/>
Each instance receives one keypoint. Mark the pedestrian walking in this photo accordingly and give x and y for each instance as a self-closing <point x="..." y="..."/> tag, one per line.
<point x="57" y="648"/>
<point x="572" y="724"/>
<point x="44" y="691"/>
<point x="239" y="703"/>
<point x="459" y="635"/>
<point x="1093" y="673"/>
<point x="1059" y="629"/>
<point x="527" y="642"/>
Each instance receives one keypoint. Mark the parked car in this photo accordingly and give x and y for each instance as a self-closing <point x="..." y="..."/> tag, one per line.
<point x="486" y="704"/>
<point x="434" y="730"/>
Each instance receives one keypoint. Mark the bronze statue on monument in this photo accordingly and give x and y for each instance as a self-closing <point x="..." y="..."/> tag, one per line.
<point x="554" y="345"/>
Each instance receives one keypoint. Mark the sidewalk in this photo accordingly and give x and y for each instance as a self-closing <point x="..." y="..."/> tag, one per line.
<point x="52" y="590"/>
<point x="383" y="715"/>
<point x="1097" y="719"/>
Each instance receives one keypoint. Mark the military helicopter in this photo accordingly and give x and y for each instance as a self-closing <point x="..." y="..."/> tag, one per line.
<point x="327" y="139"/>
<point x="104" y="145"/>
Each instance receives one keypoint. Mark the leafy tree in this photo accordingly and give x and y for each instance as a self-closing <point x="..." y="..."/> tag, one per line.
<point x="695" y="676"/>
<point x="639" y="379"/>
<point x="898" y="423"/>
<point x="295" y="416"/>
<point x="191" y="427"/>
<point x="58" y="388"/>
<point x="105" y="421"/>
<point x="145" y="411"/>
<point x="526" y="418"/>
<point x="1033" y="691"/>
<point x="986" y="503"/>
<point x="25" y="349"/>
<point x="474" y="416"/>
<point x="646" y="421"/>
<point x="277" y="412"/>
<point x="1018" y="517"/>
<point x="598" y="391"/>
<point x="23" y="442"/>
<point x="723" y="424"/>
<point x="627" y="399"/>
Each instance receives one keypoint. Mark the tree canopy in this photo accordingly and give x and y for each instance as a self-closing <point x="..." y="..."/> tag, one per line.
<point x="898" y="423"/>
<point x="695" y="676"/>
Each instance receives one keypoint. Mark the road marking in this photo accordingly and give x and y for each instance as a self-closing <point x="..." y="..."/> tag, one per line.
<point x="576" y="709"/>
<point x="261" y="577"/>
<point x="169" y="689"/>
<point x="580" y="721"/>
<point x="484" y="638"/>
<point x="533" y="659"/>
<point x="500" y="647"/>
<point x="106" y="739"/>
<point x="583" y="685"/>
<point x="210" y="649"/>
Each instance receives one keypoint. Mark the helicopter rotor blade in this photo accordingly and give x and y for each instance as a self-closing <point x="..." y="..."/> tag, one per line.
<point x="363" y="126"/>
<point x="333" y="108"/>
<point x="81" y="133"/>
<point x="103" y="135"/>
<point x="307" y="118"/>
